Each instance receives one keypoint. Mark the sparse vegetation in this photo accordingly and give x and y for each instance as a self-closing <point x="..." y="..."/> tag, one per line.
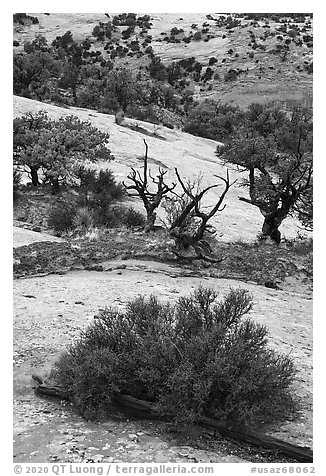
<point x="197" y="357"/>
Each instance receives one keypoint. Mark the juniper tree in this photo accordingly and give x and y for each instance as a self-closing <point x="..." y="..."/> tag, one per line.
<point x="56" y="147"/>
<point x="274" y="147"/>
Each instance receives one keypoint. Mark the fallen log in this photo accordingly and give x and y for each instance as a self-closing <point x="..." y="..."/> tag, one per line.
<point x="49" y="390"/>
<point x="146" y="409"/>
<point x="199" y="256"/>
<point x="300" y="453"/>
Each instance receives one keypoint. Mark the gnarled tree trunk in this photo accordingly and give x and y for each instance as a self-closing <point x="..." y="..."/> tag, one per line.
<point x="34" y="176"/>
<point x="150" y="220"/>
<point x="270" y="228"/>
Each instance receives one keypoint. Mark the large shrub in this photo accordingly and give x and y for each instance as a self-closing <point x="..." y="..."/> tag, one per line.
<point x="193" y="359"/>
<point x="99" y="191"/>
<point x="213" y="119"/>
<point x="61" y="217"/>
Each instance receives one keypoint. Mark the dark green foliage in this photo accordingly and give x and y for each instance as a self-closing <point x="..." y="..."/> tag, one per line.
<point x="187" y="63"/>
<point x="208" y="74"/>
<point x="214" y="120"/>
<point x="277" y="17"/>
<point x="17" y="176"/>
<point x="157" y="69"/>
<point x="120" y="90"/>
<point x="125" y="19"/>
<point x="61" y="216"/>
<point x="33" y="73"/>
<point x="132" y="217"/>
<point x="116" y="216"/>
<point x="176" y="31"/>
<point x="99" y="191"/>
<point x="274" y="146"/>
<point x="96" y="204"/>
<point x="230" y="75"/>
<point x="193" y="359"/>
<point x="197" y="36"/>
<point x="56" y="147"/>
<point x="22" y="19"/>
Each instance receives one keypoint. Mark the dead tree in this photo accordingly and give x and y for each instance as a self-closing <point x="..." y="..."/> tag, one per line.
<point x="193" y="236"/>
<point x="151" y="200"/>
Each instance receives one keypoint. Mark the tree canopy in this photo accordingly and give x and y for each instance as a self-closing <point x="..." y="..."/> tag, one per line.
<point x="56" y="146"/>
<point x="274" y="146"/>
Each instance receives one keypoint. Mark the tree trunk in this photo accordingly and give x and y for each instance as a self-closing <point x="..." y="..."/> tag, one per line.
<point x="270" y="228"/>
<point x="55" y="185"/>
<point x="74" y="95"/>
<point x="150" y="220"/>
<point x="34" y="176"/>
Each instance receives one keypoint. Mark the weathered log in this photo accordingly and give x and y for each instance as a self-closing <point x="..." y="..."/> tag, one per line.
<point x="302" y="454"/>
<point x="46" y="388"/>
<point x="134" y="403"/>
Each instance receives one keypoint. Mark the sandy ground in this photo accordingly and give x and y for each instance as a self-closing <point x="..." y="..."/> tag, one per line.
<point x="49" y="313"/>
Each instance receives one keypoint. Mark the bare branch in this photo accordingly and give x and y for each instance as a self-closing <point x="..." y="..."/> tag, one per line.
<point x="189" y="237"/>
<point x="151" y="200"/>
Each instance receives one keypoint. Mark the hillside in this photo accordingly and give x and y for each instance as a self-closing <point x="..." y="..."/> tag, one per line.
<point x="139" y="78"/>
<point x="272" y="59"/>
<point x="194" y="156"/>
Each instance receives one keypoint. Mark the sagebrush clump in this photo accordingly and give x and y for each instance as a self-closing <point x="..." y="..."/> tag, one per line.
<point x="61" y="216"/>
<point x="196" y="358"/>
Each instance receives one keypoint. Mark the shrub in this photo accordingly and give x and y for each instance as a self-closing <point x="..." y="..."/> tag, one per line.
<point x="94" y="185"/>
<point x="301" y="244"/>
<point x="17" y="177"/>
<point x="107" y="215"/>
<point x="230" y="75"/>
<point x="114" y="216"/>
<point x="61" y="217"/>
<point x="192" y="359"/>
<point x="105" y="184"/>
<point x="213" y="119"/>
<point x="133" y="217"/>
<point x="119" y="117"/>
<point x="22" y="18"/>
<point x="83" y="218"/>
